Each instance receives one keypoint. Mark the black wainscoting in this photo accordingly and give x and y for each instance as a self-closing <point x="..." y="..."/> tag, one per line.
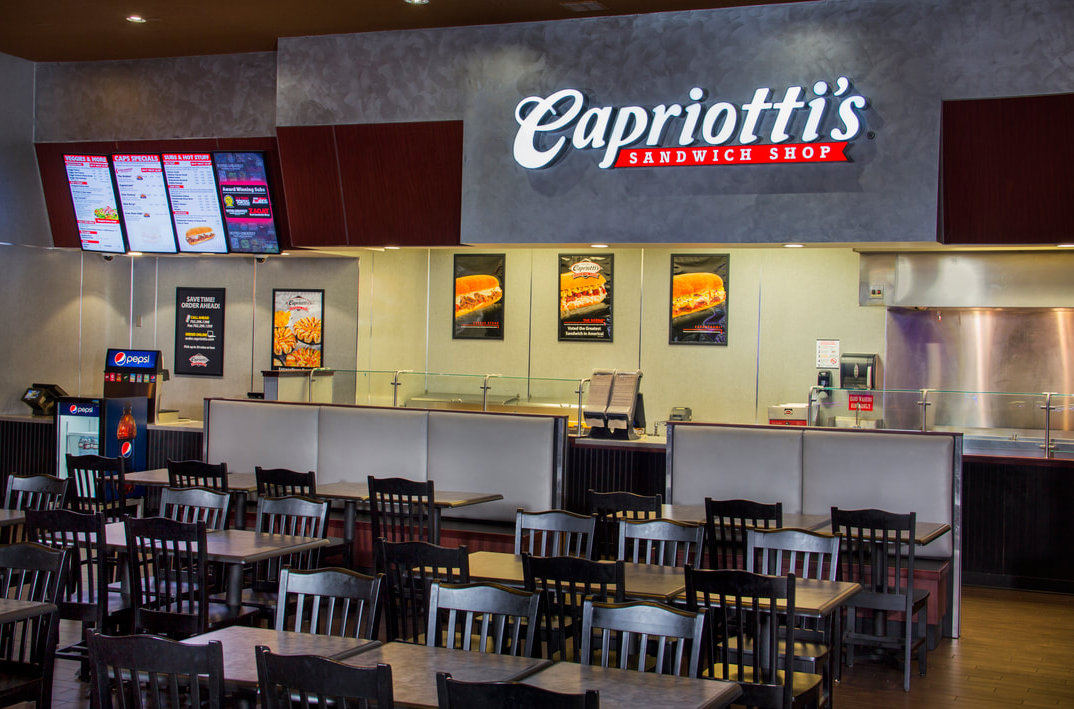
<point x="606" y="468"/>
<point x="1017" y="520"/>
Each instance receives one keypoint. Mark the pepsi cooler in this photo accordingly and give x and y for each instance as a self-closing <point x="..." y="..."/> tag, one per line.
<point x="133" y="374"/>
<point x="98" y="426"/>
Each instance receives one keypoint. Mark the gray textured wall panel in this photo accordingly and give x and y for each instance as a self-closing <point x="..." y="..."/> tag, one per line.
<point x="20" y="187"/>
<point x="229" y="95"/>
<point x="906" y="57"/>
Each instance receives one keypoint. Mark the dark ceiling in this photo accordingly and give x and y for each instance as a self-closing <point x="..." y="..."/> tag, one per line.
<point x="85" y="30"/>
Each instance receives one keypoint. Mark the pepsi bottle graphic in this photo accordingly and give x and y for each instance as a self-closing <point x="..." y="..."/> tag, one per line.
<point x="126" y="431"/>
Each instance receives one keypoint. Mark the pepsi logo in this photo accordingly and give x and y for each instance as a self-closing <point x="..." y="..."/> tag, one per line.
<point x="119" y="358"/>
<point x="73" y="409"/>
<point x="126" y="449"/>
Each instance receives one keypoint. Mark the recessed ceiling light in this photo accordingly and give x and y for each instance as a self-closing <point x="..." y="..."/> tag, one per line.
<point x="1064" y="246"/>
<point x="136" y="19"/>
<point x="134" y="253"/>
<point x="391" y="248"/>
<point x="792" y="246"/>
<point x="416" y="2"/>
<point x="599" y="246"/>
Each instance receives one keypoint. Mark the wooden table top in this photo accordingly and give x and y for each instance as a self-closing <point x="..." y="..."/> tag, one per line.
<point x="15" y="609"/>
<point x="646" y="581"/>
<point x="9" y="518"/>
<point x="359" y="492"/>
<point x="414" y="668"/>
<point x="235" y="545"/>
<point x="240" y="663"/>
<point x="816" y="598"/>
<point x="158" y="477"/>
<point x="630" y="688"/>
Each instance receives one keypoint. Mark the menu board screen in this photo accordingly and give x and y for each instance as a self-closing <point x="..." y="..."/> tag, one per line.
<point x="244" y="192"/>
<point x="144" y="200"/>
<point x="94" y="199"/>
<point x="195" y="206"/>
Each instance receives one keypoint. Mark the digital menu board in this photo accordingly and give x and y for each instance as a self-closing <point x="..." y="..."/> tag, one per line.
<point x="195" y="205"/>
<point x="144" y="201"/>
<point x="244" y="192"/>
<point x="94" y="199"/>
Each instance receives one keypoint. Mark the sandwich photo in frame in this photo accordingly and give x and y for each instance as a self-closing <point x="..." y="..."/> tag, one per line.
<point x="698" y="304"/>
<point x="297" y="329"/>
<point x="479" y="297"/>
<point x="585" y="298"/>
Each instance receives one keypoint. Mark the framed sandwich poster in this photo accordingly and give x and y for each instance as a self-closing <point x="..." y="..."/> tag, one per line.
<point x="479" y="299"/>
<point x="585" y="298"/>
<point x="199" y="331"/>
<point x="698" y="307"/>
<point x="297" y="329"/>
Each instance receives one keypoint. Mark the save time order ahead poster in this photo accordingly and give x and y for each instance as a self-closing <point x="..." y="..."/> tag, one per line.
<point x="698" y="307"/>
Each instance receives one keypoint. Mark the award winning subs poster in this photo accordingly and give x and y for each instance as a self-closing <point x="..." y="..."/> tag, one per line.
<point x="199" y="331"/>
<point x="297" y="329"/>
<point x="585" y="298"/>
<point x="698" y="308"/>
<point x="479" y="297"/>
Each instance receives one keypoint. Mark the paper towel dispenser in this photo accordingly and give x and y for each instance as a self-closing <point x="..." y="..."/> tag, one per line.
<point x="858" y="371"/>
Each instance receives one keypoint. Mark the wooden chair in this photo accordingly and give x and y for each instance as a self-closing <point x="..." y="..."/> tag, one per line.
<point x="31" y="492"/>
<point x="565" y="582"/>
<point x="35" y="492"/>
<point x="646" y="628"/>
<point x="807" y="555"/>
<point x="196" y="504"/>
<point x="506" y="618"/>
<point x="664" y="542"/>
<point x="167" y="564"/>
<point x="611" y="507"/>
<point x="726" y="523"/>
<point x="149" y="671"/>
<point x="30" y="572"/>
<point x="554" y="533"/>
<point x="746" y="611"/>
<point x="99" y="486"/>
<point x="311" y="681"/>
<point x="295" y="516"/>
<point x="878" y="552"/>
<point x="402" y="510"/>
<point x="85" y="597"/>
<point x="281" y="482"/>
<point x="195" y="473"/>
<point x="330" y="601"/>
<point x="409" y="568"/>
<point x="456" y="694"/>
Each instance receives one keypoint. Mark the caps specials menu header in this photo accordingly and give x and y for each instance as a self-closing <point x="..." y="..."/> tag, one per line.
<point x="94" y="200"/>
<point x="146" y="212"/>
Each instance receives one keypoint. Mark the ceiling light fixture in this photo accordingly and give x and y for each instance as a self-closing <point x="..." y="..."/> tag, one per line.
<point x="136" y="19"/>
<point x="598" y="246"/>
<point x="416" y="2"/>
<point x="1064" y="246"/>
<point x="793" y="246"/>
<point x="391" y="248"/>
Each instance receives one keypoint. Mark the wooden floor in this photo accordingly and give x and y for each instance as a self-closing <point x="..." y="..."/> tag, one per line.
<point x="1016" y="649"/>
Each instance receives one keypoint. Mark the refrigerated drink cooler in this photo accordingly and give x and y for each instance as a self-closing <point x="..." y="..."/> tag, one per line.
<point x="101" y="426"/>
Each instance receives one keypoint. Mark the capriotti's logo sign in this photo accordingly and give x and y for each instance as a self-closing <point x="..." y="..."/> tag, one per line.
<point x="804" y="125"/>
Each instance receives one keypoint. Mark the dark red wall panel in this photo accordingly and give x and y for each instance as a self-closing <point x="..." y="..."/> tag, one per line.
<point x="402" y="183"/>
<point x="1005" y="171"/>
<point x="311" y="184"/>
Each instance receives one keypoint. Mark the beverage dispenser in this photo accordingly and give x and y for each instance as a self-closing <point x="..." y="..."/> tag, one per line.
<point x="133" y="374"/>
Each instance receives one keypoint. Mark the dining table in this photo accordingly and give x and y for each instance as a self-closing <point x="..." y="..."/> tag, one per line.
<point x="234" y="548"/>
<point x="239" y="485"/>
<point x="239" y="641"/>
<point x="642" y="581"/>
<point x="631" y="688"/>
<point x="414" y="668"/>
<point x="353" y="493"/>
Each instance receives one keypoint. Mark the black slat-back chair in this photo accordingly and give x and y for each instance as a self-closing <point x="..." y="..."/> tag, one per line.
<point x="309" y="681"/>
<point x="196" y="473"/>
<point x="485" y="617"/>
<point x="726" y="523"/>
<point x="99" y="486"/>
<point x="554" y="533"/>
<point x="330" y="601"/>
<point x="456" y="694"/>
<point x="402" y="510"/>
<point x="611" y="507"/>
<point x="409" y="568"/>
<point x="281" y="482"/>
